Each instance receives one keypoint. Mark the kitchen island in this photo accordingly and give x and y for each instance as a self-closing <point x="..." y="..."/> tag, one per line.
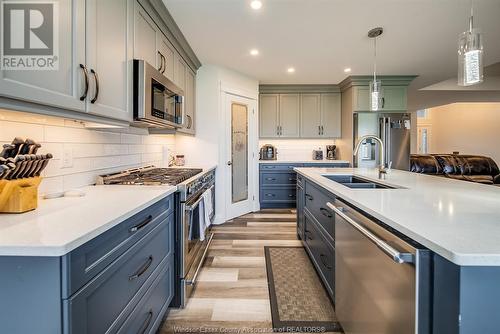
<point x="455" y="224"/>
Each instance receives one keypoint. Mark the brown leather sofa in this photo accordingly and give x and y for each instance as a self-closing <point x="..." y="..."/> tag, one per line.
<point x="473" y="168"/>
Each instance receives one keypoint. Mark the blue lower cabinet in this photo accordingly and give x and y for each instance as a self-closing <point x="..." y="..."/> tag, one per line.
<point x="115" y="283"/>
<point x="149" y="312"/>
<point x="277" y="183"/>
<point x="98" y="305"/>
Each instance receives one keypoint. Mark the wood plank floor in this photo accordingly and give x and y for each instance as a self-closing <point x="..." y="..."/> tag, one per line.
<point x="232" y="293"/>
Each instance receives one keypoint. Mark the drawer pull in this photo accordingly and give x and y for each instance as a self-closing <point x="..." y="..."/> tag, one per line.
<point x="291" y="195"/>
<point x="270" y="179"/>
<point x="307" y="233"/>
<point x="146" y="323"/>
<point x="323" y="260"/>
<point x="270" y="195"/>
<point x="325" y="212"/>
<point x="309" y="197"/>
<point x="142" y="270"/>
<point x="292" y="179"/>
<point x="291" y="167"/>
<point x="141" y="225"/>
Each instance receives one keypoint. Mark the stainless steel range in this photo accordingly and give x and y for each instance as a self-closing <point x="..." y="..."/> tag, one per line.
<point x="191" y="184"/>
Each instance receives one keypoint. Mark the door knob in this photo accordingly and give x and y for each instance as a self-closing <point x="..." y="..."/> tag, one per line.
<point x="229" y="163"/>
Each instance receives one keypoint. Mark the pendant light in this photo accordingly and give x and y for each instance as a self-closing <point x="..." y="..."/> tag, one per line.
<point x="470" y="54"/>
<point x="376" y="97"/>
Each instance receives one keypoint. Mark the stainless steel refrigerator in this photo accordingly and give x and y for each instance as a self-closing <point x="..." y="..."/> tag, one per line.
<point x="393" y="129"/>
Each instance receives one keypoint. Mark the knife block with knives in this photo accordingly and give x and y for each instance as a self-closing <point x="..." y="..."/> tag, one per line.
<point x="20" y="169"/>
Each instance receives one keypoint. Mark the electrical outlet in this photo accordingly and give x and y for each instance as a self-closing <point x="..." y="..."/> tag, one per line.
<point x="67" y="158"/>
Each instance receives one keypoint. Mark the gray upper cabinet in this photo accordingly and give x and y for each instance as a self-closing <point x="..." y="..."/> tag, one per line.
<point x="180" y="72"/>
<point x="109" y="58"/>
<point x="145" y="38"/>
<point x="189" y="104"/>
<point x="56" y="88"/>
<point x="331" y="111"/>
<point x="268" y="120"/>
<point x="310" y="115"/>
<point x="166" y="56"/>
<point x="393" y="98"/>
<point x="289" y="115"/>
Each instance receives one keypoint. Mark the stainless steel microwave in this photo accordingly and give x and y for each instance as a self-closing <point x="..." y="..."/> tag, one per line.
<point x="158" y="102"/>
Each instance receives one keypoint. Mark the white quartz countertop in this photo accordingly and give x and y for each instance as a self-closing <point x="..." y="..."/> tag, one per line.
<point x="324" y="161"/>
<point x="62" y="224"/>
<point x="456" y="219"/>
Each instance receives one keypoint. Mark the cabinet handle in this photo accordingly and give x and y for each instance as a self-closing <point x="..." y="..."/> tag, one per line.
<point x="291" y="179"/>
<point x="319" y="129"/>
<point x="190" y="122"/>
<point x="141" y="225"/>
<point x="306" y="233"/>
<point x="164" y="63"/>
<point x="86" y="75"/>
<point x="161" y="62"/>
<point x="270" y="195"/>
<point x="146" y="323"/>
<point x="142" y="269"/>
<point x="96" y="78"/>
<point x="309" y="197"/>
<point x="322" y="130"/>
<point x="325" y="212"/>
<point x="291" y="195"/>
<point x="383" y="102"/>
<point x="281" y="130"/>
<point x="270" y="179"/>
<point x="322" y="257"/>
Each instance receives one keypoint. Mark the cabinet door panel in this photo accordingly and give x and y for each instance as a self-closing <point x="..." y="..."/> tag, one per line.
<point x="180" y="72"/>
<point x="310" y="115"/>
<point x="361" y="98"/>
<point x="394" y="98"/>
<point x="331" y="115"/>
<point x="289" y="115"/>
<point x="59" y="88"/>
<point x="268" y="119"/>
<point x="109" y="54"/>
<point x="145" y="37"/>
<point x="167" y="51"/>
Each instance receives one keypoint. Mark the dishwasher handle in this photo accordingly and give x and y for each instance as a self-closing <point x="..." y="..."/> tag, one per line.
<point x="386" y="248"/>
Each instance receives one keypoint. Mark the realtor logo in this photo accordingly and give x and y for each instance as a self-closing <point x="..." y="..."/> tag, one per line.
<point x="30" y="35"/>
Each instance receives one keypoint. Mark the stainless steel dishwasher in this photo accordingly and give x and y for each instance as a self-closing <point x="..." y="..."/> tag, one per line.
<point x="382" y="280"/>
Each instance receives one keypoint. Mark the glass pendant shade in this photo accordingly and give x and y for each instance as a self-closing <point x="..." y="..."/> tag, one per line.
<point x="375" y="95"/>
<point x="470" y="58"/>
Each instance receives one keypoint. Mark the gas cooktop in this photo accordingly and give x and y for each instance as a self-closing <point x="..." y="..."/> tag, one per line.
<point x="150" y="175"/>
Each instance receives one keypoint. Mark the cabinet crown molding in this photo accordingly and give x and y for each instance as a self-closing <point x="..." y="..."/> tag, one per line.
<point x="387" y="80"/>
<point x="285" y="89"/>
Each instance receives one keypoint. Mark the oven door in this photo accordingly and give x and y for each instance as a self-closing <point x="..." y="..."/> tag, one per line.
<point x="194" y="250"/>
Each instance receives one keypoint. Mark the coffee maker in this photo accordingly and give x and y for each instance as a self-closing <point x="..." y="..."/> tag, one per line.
<point x="330" y="152"/>
<point x="268" y="152"/>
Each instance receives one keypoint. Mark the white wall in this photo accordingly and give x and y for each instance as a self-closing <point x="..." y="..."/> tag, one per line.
<point x="297" y="149"/>
<point x="470" y="128"/>
<point x="208" y="146"/>
<point x="94" y="152"/>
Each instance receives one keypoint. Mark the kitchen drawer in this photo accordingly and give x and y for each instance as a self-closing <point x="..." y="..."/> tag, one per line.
<point x="328" y="165"/>
<point x="147" y="315"/>
<point x="322" y="253"/>
<point x="277" y="194"/>
<point x="279" y="167"/>
<point x="300" y="180"/>
<point x="315" y="200"/>
<point x="85" y="262"/>
<point x="277" y="179"/>
<point x="96" y="307"/>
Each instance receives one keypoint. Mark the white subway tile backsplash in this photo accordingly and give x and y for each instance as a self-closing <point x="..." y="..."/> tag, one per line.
<point x="95" y="152"/>
<point x="297" y="149"/>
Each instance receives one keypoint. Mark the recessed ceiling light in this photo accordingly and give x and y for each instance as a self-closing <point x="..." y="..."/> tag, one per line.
<point x="254" y="52"/>
<point x="291" y="70"/>
<point x="347" y="70"/>
<point x="256" y="4"/>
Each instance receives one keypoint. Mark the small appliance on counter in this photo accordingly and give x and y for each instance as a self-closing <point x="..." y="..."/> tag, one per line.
<point x="20" y="170"/>
<point x="317" y="154"/>
<point x="268" y="152"/>
<point x="180" y="160"/>
<point x="330" y="152"/>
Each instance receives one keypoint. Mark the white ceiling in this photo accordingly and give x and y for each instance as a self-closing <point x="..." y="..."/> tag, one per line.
<point x="322" y="37"/>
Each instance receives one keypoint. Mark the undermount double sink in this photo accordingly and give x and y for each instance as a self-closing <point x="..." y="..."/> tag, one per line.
<point x="356" y="182"/>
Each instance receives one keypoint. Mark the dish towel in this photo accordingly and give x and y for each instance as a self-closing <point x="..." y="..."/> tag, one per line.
<point x="201" y="220"/>
<point x="209" y="211"/>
